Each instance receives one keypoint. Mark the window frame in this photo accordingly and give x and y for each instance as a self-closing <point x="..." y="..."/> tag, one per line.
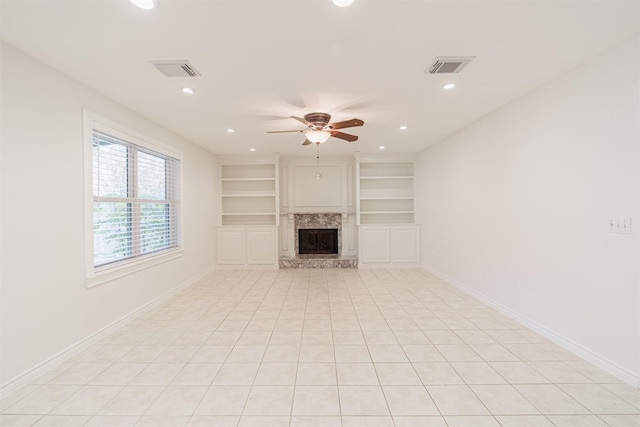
<point x="107" y="272"/>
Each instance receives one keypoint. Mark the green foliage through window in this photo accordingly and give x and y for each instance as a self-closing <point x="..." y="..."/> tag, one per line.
<point x="135" y="200"/>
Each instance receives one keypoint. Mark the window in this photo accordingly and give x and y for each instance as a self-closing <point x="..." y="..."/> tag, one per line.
<point x="135" y="201"/>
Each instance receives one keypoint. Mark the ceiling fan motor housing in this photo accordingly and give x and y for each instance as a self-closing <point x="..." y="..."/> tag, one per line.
<point x="320" y="120"/>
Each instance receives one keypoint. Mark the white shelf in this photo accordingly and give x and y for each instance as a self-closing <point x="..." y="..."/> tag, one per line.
<point x="380" y="169"/>
<point x="248" y="172"/>
<point x="248" y="220"/>
<point x="385" y="192"/>
<point x="248" y="194"/>
<point x="381" y="218"/>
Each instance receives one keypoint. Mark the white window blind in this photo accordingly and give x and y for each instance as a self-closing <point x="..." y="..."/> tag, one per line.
<point x="136" y="200"/>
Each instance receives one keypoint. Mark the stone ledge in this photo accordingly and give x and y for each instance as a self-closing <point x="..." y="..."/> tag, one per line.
<point x="319" y="262"/>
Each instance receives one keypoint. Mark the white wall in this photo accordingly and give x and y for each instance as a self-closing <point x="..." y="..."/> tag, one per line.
<point x="45" y="305"/>
<point x="525" y="195"/>
<point x="301" y="192"/>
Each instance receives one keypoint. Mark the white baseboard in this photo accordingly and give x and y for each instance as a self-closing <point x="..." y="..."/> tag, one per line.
<point x="38" y="370"/>
<point x="247" y="267"/>
<point x="603" y="363"/>
<point x="389" y="265"/>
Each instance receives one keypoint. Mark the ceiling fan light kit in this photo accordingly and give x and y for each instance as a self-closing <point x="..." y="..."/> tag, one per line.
<point x="144" y="4"/>
<point x="317" y="136"/>
<point x="342" y="3"/>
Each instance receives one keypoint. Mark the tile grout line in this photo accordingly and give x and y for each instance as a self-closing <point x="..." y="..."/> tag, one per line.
<point x="374" y="363"/>
<point x="204" y="394"/>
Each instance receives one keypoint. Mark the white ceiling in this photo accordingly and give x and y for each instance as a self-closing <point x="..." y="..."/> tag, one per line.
<point x="263" y="61"/>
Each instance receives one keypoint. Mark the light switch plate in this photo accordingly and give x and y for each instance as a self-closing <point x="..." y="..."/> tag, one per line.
<point x="619" y="225"/>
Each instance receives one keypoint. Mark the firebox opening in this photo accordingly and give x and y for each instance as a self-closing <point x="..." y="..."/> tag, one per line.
<point x="318" y="241"/>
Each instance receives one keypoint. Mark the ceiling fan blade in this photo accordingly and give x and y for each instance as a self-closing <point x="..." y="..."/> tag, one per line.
<point x="346" y="124"/>
<point x="345" y="136"/>
<point x="307" y="142"/>
<point x="301" y="120"/>
<point x="284" y="131"/>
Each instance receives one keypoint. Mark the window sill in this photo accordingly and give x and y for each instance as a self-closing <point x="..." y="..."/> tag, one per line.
<point x="125" y="269"/>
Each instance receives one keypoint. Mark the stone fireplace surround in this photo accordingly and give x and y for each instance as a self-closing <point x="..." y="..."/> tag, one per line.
<point x="318" y="220"/>
<point x="303" y="221"/>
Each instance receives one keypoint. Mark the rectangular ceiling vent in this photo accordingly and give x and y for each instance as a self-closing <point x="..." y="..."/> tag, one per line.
<point x="448" y="64"/>
<point x="175" y="68"/>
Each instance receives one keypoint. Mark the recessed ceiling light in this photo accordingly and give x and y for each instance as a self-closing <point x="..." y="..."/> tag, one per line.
<point x="144" y="4"/>
<point x="448" y="86"/>
<point x="231" y="130"/>
<point x="188" y="90"/>
<point x="403" y="127"/>
<point x="342" y="3"/>
<point x="252" y="149"/>
<point x="381" y="147"/>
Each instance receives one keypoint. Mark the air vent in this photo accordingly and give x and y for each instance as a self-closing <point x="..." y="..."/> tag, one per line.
<point x="175" y="68"/>
<point x="448" y="64"/>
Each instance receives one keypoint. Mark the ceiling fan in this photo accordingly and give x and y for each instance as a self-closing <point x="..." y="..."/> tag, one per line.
<point x="319" y="128"/>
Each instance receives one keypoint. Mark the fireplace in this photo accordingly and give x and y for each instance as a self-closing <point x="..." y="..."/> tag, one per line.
<point x="318" y="222"/>
<point x="318" y="241"/>
<point x="314" y="240"/>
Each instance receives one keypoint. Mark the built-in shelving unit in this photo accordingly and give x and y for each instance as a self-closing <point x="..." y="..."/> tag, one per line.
<point x="249" y="211"/>
<point x="385" y="204"/>
<point x="249" y="194"/>
<point x="385" y="192"/>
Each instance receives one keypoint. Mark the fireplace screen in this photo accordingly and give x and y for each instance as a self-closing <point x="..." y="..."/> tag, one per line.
<point x="318" y="241"/>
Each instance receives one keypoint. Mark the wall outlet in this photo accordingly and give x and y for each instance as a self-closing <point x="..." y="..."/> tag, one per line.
<point x="484" y="275"/>
<point x="619" y="225"/>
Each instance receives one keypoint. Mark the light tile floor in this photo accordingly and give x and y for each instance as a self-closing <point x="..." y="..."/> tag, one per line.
<point x="306" y="348"/>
